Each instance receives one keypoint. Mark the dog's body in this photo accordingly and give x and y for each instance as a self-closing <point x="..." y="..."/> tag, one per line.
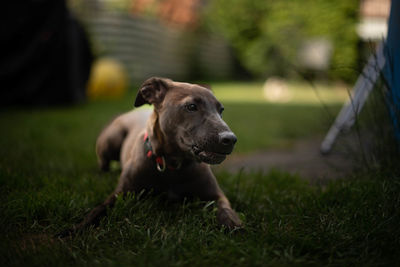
<point x="168" y="149"/>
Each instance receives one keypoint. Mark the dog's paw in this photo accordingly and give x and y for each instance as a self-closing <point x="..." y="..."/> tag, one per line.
<point x="228" y="218"/>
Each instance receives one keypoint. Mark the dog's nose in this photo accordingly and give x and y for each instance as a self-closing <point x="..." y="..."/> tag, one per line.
<point x="227" y="139"/>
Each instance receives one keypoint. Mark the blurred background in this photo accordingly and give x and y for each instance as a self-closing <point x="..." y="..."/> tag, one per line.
<point x="51" y="46"/>
<point x="217" y="39"/>
<point x="282" y="68"/>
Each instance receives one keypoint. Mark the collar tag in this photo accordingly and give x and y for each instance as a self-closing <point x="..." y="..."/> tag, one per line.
<point x="160" y="161"/>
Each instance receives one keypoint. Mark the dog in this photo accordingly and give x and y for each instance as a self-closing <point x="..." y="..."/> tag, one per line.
<point x="168" y="149"/>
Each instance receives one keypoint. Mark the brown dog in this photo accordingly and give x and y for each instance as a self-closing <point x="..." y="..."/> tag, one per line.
<point x="168" y="149"/>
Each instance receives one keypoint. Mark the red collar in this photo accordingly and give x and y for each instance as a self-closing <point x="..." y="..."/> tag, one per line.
<point x="160" y="160"/>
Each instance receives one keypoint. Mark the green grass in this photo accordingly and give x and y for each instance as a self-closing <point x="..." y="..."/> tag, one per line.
<point x="299" y="93"/>
<point x="49" y="180"/>
<point x="261" y="124"/>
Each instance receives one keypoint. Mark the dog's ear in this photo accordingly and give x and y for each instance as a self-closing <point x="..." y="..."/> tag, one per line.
<point x="152" y="91"/>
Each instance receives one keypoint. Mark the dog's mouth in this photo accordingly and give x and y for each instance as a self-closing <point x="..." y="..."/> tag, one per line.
<point x="209" y="157"/>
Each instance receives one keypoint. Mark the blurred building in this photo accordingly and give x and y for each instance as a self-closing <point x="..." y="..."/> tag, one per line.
<point x="374" y="16"/>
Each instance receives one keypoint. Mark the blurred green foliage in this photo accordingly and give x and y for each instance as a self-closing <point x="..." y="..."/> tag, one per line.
<point x="266" y="35"/>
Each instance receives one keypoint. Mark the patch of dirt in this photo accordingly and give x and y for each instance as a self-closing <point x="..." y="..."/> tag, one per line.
<point x="303" y="158"/>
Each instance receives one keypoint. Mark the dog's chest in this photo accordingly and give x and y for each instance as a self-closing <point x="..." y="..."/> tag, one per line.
<point x="175" y="186"/>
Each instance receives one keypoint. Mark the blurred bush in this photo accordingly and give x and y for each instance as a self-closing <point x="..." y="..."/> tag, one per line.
<point x="267" y="35"/>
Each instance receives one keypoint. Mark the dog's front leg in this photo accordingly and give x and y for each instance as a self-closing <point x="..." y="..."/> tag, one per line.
<point x="205" y="186"/>
<point x="92" y="218"/>
<point x="226" y="215"/>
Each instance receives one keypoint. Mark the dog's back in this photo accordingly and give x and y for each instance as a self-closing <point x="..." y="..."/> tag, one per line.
<point x="115" y="139"/>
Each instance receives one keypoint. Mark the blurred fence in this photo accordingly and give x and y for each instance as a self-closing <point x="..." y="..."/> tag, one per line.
<point x="148" y="48"/>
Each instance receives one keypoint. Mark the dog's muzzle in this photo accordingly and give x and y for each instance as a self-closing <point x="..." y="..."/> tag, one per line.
<point x="216" y="152"/>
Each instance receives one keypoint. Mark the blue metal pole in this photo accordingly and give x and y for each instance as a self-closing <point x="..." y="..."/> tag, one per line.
<point x="391" y="70"/>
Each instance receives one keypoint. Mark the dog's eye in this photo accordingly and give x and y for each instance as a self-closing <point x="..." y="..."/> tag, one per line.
<point x="221" y="110"/>
<point x="191" y="107"/>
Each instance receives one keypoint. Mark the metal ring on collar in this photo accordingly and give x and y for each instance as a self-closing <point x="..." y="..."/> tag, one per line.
<point x="164" y="165"/>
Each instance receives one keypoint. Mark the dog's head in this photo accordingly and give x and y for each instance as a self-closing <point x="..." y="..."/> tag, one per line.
<point x="188" y="117"/>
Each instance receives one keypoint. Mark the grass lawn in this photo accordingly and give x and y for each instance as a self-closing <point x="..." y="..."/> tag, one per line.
<point x="260" y="124"/>
<point x="49" y="180"/>
<point x="298" y="93"/>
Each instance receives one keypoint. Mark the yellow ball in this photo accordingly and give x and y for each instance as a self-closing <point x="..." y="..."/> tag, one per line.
<point x="108" y="80"/>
